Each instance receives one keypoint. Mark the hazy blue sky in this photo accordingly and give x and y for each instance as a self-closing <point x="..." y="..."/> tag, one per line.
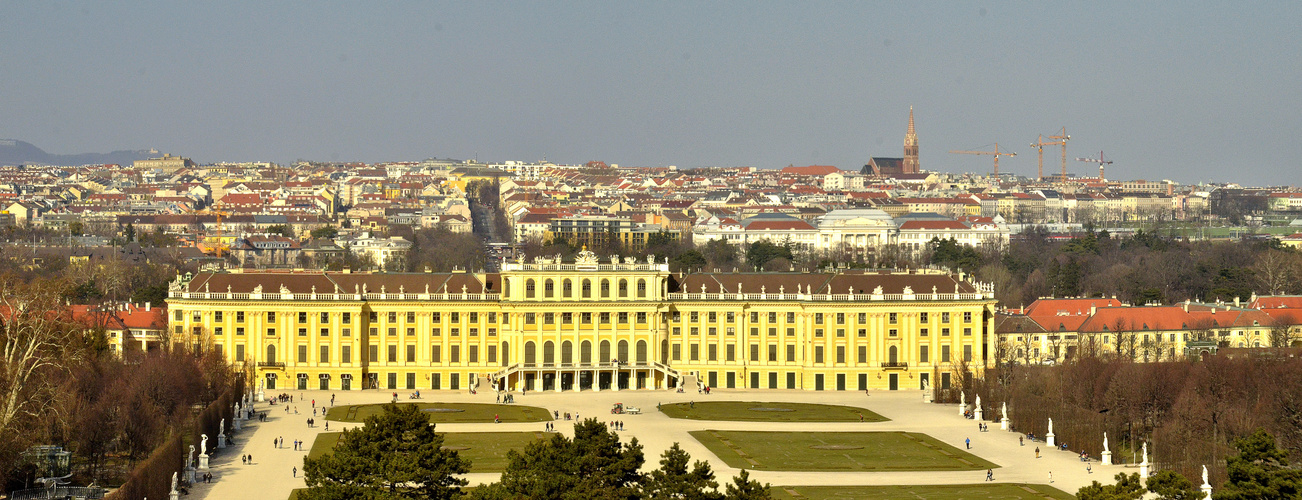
<point x="1191" y="91"/>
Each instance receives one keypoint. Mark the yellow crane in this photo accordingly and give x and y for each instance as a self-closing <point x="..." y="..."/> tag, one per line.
<point x="1057" y="140"/>
<point x="996" y="153"/>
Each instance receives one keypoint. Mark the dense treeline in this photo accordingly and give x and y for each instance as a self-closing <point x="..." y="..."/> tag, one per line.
<point x="1190" y="413"/>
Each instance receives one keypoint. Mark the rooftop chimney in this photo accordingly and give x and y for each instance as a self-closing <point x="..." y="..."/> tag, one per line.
<point x="148" y="306"/>
<point x="1236" y="301"/>
<point x="1093" y="309"/>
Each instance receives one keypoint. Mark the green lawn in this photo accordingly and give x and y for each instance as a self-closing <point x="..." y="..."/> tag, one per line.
<point x="768" y="412"/>
<point x="449" y="412"/>
<point x="485" y="450"/>
<point x="837" y="451"/>
<point x="991" y="491"/>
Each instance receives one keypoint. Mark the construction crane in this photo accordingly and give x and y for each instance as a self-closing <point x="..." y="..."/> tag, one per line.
<point x="1060" y="140"/>
<point x="996" y="153"/>
<point x="1101" y="160"/>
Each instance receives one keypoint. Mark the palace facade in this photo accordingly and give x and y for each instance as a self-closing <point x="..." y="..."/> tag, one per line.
<point x="621" y="324"/>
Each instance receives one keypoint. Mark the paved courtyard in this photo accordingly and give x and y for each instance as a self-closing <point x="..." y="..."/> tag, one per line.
<point x="271" y="476"/>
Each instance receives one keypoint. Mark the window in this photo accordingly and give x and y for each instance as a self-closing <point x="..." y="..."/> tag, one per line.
<point x="302" y="354"/>
<point x="549" y="289"/>
<point x="863" y="354"/>
<point x="791" y="332"/>
<point x="528" y="289"/>
<point x="967" y="332"/>
<point x="492" y="332"/>
<point x="791" y="353"/>
<point x="923" y="332"/>
<point x="714" y="317"/>
<point x="325" y="332"/>
<point x="695" y="352"/>
<point x="944" y="317"/>
<point x="678" y="317"/>
<point x="436" y="317"/>
<point x="567" y="318"/>
<point x="731" y="316"/>
<point x="605" y="289"/>
<point x="411" y="353"/>
<point x="818" y="332"/>
<point x="773" y="353"/>
<point x="492" y="354"/>
<point x="435" y="332"/>
<point x="325" y="318"/>
<point x="346" y="354"/>
<point x="944" y="332"/>
<point x="623" y="288"/>
<point x="473" y="353"/>
<point x="754" y="316"/>
<point x="180" y="315"/>
<point x="922" y="317"/>
<point x="967" y="353"/>
<point x="393" y="332"/>
<point x="271" y="316"/>
<point x="818" y="354"/>
<point x="372" y="316"/>
<point x="506" y="318"/>
<point x="348" y="318"/>
<point x="840" y="354"/>
<point x="773" y="332"/>
<point x="893" y="318"/>
<point x="678" y="352"/>
<point x="239" y="352"/>
<point x="791" y="317"/>
<point x="549" y="318"/>
<point x="587" y="289"/>
<point x="863" y="332"/>
<point x="641" y="318"/>
<point x="893" y="332"/>
<point x="944" y="354"/>
<point x="454" y="354"/>
<point x="924" y="354"/>
<point x="455" y="317"/>
<point x="393" y="354"/>
<point x="218" y="331"/>
<point x="967" y="316"/>
<point x="411" y="316"/>
<point x="818" y="318"/>
<point x="455" y="332"/>
<point x="754" y="352"/>
<point x="567" y="289"/>
<point x="374" y="354"/>
<point x="411" y="332"/>
<point x="474" y="317"/>
<point x="641" y="288"/>
<point x="678" y="331"/>
<point x="217" y="316"/>
<point x="713" y="352"/>
<point x="325" y="354"/>
<point x="529" y="318"/>
<point x="773" y="317"/>
<point x="840" y="333"/>
<point x="604" y="318"/>
<point x="239" y="316"/>
<point x="393" y="316"/>
<point x="302" y="332"/>
<point x="863" y="317"/>
<point x="695" y="330"/>
<point x="730" y="353"/>
<point x="436" y="354"/>
<point x="713" y="331"/>
<point x="623" y="317"/>
<point x="586" y="318"/>
<point x="375" y="332"/>
<point x="696" y="317"/>
<point x="840" y="318"/>
<point x="474" y="332"/>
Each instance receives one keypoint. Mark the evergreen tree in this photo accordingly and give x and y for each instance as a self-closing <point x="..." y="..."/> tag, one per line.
<point x="673" y="480"/>
<point x="1259" y="471"/>
<point x="592" y="465"/>
<point x="1169" y="485"/>
<point x="1128" y="487"/>
<point x="395" y="455"/>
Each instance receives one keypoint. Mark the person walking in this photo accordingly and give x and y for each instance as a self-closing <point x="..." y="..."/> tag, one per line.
<point x="968" y="443"/>
<point x="1050" y="476"/>
<point x="1021" y="441"/>
<point x="295" y="472"/>
<point x="1037" y="452"/>
<point x="990" y="474"/>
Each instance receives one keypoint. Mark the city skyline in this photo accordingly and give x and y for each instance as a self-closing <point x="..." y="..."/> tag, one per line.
<point x="1166" y="94"/>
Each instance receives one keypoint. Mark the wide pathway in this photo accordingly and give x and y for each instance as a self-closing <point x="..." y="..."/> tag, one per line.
<point x="271" y="473"/>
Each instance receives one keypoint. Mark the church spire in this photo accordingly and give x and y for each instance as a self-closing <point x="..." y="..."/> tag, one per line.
<point x="910" y="165"/>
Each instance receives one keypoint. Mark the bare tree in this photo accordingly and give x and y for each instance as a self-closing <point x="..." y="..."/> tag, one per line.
<point x="38" y="345"/>
<point x="1277" y="270"/>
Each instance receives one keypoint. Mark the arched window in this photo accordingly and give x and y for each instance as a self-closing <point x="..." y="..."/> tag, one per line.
<point x="623" y="288"/>
<point x="528" y="289"/>
<point x="605" y="351"/>
<point x="506" y="288"/>
<point x="894" y="355"/>
<point x="641" y="289"/>
<point x="549" y="352"/>
<point x="567" y="289"/>
<point x="567" y="352"/>
<point x="271" y="353"/>
<point x="605" y="289"/>
<point x="585" y="352"/>
<point x="623" y="351"/>
<point x="506" y="353"/>
<point x="587" y="288"/>
<point x="549" y="289"/>
<point x="530" y="357"/>
<point x="641" y="351"/>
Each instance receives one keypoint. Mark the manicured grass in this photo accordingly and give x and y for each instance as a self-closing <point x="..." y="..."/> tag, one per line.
<point x="744" y="411"/>
<point x="989" y="491"/>
<point x="485" y="450"/>
<point x="837" y="451"/>
<point x="449" y="412"/>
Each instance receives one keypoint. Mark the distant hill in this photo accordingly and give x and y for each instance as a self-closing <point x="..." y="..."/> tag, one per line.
<point x="15" y="152"/>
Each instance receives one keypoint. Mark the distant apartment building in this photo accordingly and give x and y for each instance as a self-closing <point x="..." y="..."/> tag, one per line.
<point x="166" y="163"/>
<point x="599" y="231"/>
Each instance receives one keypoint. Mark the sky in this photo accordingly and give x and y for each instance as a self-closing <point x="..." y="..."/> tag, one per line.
<point x="1188" y="91"/>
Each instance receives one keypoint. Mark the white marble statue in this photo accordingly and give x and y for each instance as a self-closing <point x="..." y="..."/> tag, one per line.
<point x="1205" y="476"/>
<point x="203" y="444"/>
<point x="222" y="429"/>
<point x="173" y="482"/>
<point x="978" y="401"/>
<point x="1105" y="442"/>
<point x="1145" y="462"/>
<point x="1005" y="410"/>
<point x="189" y="462"/>
<point x="1051" y="426"/>
<point x="962" y="398"/>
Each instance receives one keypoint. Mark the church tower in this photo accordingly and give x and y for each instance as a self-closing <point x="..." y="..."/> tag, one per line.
<point x="910" y="148"/>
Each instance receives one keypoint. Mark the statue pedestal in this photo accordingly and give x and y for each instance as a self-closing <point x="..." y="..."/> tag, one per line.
<point x="1207" y="491"/>
<point x="1106" y="458"/>
<point x="1003" y="424"/>
<point x="1143" y="471"/>
<point x="190" y="475"/>
<point x="962" y="409"/>
<point x="1048" y="439"/>
<point x="203" y="461"/>
<point x="174" y="496"/>
<point x="235" y="422"/>
<point x="221" y="441"/>
<point x="978" y="414"/>
<point x="262" y="396"/>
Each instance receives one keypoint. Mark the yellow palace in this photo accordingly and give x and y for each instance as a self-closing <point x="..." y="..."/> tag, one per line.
<point x="588" y="325"/>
